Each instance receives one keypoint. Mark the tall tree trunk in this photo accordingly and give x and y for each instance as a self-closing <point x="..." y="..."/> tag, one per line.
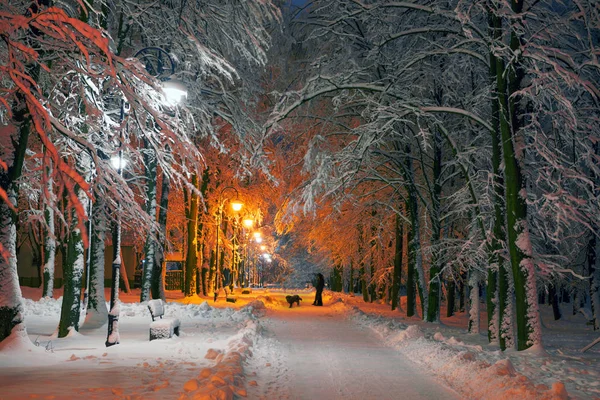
<point x="50" y="240"/>
<point x="211" y="288"/>
<point x="11" y="312"/>
<point x="433" y="303"/>
<point x="361" y="270"/>
<point x="411" y="295"/>
<point x="363" y="284"/>
<point x="554" y="300"/>
<point x="594" y="264"/>
<point x="474" y="309"/>
<point x="97" y="313"/>
<point x="158" y="276"/>
<point x="495" y="308"/>
<point x="397" y="276"/>
<point x="150" y="247"/>
<point x="191" y="260"/>
<point x="519" y="244"/>
<point x="415" y="243"/>
<point x="451" y="294"/>
<point x="204" y="274"/>
<point x="202" y="235"/>
<point x="338" y="272"/>
<point x="594" y="256"/>
<point x="372" y="265"/>
<point x="462" y="292"/>
<point x="73" y="267"/>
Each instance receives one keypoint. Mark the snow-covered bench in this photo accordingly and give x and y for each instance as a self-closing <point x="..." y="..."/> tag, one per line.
<point x="161" y="328"/>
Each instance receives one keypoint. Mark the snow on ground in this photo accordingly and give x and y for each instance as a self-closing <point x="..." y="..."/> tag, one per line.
<point x="318" y="353"/>
<point x="205" y="360"/>
<point x="258" y="348"/>
<point x="477" y="369"/>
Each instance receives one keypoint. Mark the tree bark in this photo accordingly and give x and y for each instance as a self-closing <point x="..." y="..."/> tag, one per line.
<point x="451" y="294"/>
<point x="191" y="259"/>
<point x="72" y="275"/>
<point x="11" y="312"/>
<point x="158" y="276"/>
<point x="150" y="247"/>
<point x="553" y="296"/>
<point x="519" y="245"/>
<point x="594" y="264"/>
<point x="433" y="302"/>
<point x="49" y="243"/>
<point x="474" y="309"/>
<point x="97" y="313"/>
<point x="397" y="275"/>
<point x="414" y="245"/>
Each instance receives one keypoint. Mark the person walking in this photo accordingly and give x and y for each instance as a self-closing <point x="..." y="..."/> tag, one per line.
<point x="320" y="285"/>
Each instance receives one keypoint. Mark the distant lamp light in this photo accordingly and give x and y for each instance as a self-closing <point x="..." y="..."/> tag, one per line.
<point x="175" y="91"/>
<point x="258" y="239"/>
<point x="256" y="235"/>
<point x="248" y="222"/>
<point x="236" y="205"/>
<point x="263" y="247"/>
<point x="118" y="162"/>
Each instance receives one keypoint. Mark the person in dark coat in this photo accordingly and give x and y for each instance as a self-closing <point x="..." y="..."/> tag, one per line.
<point x="319" y="287"/>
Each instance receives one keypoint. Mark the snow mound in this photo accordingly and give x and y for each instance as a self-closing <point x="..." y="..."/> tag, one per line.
<point x="17" y="341"/>
<point x="226" y="379"/>
<point x="503" y="367"/>
<point x="412" y="332"/>
<point x="44" y="307"/>
<point x="474" y="373"/>
<point x="256" y="308"/>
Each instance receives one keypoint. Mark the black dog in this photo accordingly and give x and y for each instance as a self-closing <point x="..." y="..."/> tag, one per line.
<point x="293" y="299"/>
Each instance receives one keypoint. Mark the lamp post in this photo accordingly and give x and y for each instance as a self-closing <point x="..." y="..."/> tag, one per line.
<point x="159" y="64"/>
<point x="112" y="337"/>
<point x="257" y="239"/>
<point x="236" y="205"/>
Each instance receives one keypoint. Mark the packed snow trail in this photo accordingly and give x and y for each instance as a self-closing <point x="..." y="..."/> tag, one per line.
<point x="310" y="352"/>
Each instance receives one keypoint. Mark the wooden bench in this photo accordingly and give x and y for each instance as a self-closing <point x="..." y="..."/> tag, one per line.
<point x="161" y="328"/>
<point x="231" y="299"/>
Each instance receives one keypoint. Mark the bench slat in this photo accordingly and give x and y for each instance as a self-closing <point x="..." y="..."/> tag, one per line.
<point x="156" y="308"/>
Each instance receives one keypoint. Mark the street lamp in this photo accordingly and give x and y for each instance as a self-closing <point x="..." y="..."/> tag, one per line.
<point x="112" y="337"/>
<point x="236" y="205"/>
<point x="118" y="162"/>
<point x="175" y="91"/>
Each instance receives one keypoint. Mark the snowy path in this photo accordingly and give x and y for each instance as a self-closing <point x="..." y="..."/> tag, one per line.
<point x="315" y="352"/>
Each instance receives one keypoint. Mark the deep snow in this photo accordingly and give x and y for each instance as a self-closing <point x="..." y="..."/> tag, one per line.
<point x="260" y="348"/>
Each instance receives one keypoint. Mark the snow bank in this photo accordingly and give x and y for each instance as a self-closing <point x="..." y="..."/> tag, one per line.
<point x="17" y="341"/>
<point x="157" y="369"/>
<point x="468" y="369"/>
<point x="47" y="307"/>
<point x="226" y="378"/>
